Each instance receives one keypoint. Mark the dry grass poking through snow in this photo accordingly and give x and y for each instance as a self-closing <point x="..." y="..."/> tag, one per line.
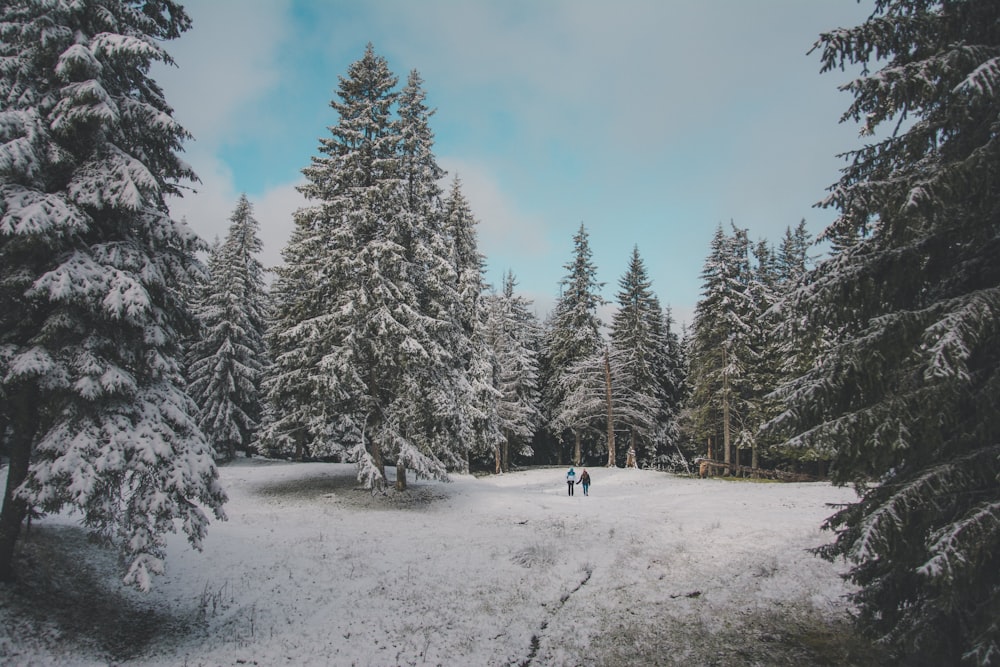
<point x="651" y="569"/>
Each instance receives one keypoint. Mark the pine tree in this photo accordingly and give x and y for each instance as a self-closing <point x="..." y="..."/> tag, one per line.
<point x="720" y="346"/>
<point x="227" y="357"/>
<point x="672" y="382"/>
<point x="447" y="270"/>
<point x="476" y="405"/>
<point x="92" y="274"/>
<point x="905" y="397"/>
<point x="638" y="335"/>
<point x="513" y="334"/>
<point x="573" y="334"/>
<point x="365" y="345"/>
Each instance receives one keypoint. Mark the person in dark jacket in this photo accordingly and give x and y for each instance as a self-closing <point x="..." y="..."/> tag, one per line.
<point x="585" y="480"/>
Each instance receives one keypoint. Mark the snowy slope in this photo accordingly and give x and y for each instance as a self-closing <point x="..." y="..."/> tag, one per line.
<point x="505" y="570"/>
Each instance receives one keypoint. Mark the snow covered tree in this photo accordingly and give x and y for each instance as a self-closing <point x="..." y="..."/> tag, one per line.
<point x="513" y="334"/>
<point x="672" y="382"/>
<point x="226" y="358"/>
<point x="638" y="334"/>
<point x="573" y="334"/>
<point x="92" y="273"/>
<point x="476" y="406"/>
<point x="601" y="390"/>
<point x="362" y="359"/>
<point x="447" y="278"/>
<point x="792" y="261"/>
<point x="298" y="419"/>
<point x="720" y="345"/>
<point x="905" y="398"/>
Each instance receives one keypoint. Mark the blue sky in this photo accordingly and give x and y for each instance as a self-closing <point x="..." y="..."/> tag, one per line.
<point x="648" y="121"/>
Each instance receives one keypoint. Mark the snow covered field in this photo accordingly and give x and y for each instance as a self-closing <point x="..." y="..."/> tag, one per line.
<point x="650" y="569"/>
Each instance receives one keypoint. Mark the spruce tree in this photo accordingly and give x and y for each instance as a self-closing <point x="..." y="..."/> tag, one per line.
<point x="905" y="398"/>
<point x="92" y="275"/>
<point x="573" y="334"/>
<point x="720" y="347"/>
<point x="673" y="387"/>
<point x="226" y="358"/>
<point x="638" y="335"/>
<point x="475" y="406"/>
<point x="513" y="334"/>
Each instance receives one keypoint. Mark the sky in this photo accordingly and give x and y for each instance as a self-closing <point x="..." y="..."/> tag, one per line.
<point x="649" y="122"/>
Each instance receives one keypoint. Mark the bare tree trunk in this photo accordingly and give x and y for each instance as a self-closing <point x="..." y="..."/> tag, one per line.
<point x="377" y="457"/>
<point x="726" y="441"/>
<point x="576" y="448"/>
<point x="23" y="424"/>
<point x="400" y="475"/>
<point x="754" y="463"/>
<point x="496" y="457"/>
<point x="505" y="456"/>
<point x="611" y="416"/>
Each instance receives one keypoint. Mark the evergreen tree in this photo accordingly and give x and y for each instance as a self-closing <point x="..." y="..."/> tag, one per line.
<point x="638" y="335"/>
<point x="226" y="359"/>
<point x="446" y="272"/>
<point x="366" y="354"/>
<point x="476" y="402"/>
<point x="792" y="261"/>
<point x="299" y="417"/>
<point x="92" y="273"/>
<point x="763" y="368"/>
<point x="573" y="334"/>
<point x="720" y="346"/>
<point x="672" y="381"/>
<point x="905" y="397"/>
<point x="513" y="334"/>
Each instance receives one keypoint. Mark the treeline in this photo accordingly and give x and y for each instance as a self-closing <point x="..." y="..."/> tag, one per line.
<point x="380" y="341"/>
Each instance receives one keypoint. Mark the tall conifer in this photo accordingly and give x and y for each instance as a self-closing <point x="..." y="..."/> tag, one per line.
<point x="227" y="356"/>
<point x="92" y="277"/>
<point x="905" y="397"/>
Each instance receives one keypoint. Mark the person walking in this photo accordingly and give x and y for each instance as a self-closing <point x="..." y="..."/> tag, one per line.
<point x="585" y="481"/>
<point x="571" y="479"/>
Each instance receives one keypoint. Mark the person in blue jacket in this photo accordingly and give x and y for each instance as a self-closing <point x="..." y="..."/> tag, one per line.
<point x="571" y="479"/>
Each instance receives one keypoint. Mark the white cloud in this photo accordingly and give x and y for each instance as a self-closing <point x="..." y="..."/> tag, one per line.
<point x="504" y="229"/>
<point x="223" y="65"/>
<point x="208" y="209"/>
<point x="273" y="210"/>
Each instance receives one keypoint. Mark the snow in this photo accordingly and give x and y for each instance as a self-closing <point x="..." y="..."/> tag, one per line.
<point x="650" y="568"/>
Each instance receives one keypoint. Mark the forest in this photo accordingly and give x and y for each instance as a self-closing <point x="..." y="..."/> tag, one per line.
<point x="135" y="358"/>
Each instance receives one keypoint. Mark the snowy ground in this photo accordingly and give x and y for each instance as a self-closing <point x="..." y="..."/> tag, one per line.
<point x="650" y="569"/>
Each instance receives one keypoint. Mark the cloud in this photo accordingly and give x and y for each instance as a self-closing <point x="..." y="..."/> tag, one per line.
<point x="504" y="229"/>
<point x="224" y="65"/>
<point x="273" y="210"/>
<point x="208" y="209"/>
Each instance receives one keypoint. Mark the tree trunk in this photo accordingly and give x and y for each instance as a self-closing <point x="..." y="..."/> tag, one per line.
<point x="576" y="448"/>
<point x="377" y="458"/>
<point x="754" y="463"/>
<point x="496" y="457"/>
<point x="400" y="475"/>
<point x="726" y="441"/>
<point x="505" y="456"/>
<point x="610" y="411"/>
<point x="23" y="424"/>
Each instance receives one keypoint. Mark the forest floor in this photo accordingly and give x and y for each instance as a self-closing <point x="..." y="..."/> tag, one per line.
<point x="649" y="569"/>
